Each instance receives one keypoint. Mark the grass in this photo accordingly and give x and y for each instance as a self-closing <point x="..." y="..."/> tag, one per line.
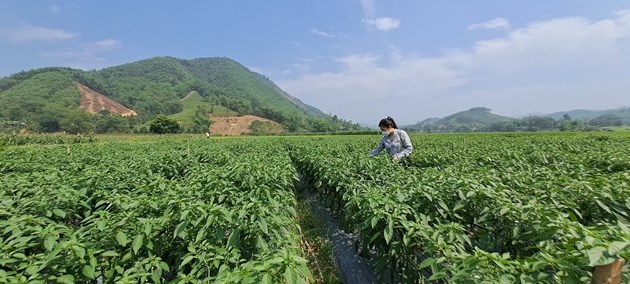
<point x="316" y="248"/>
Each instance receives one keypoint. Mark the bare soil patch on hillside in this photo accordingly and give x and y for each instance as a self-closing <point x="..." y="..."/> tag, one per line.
<point x="235" y="125"/>
<point x="94" y="102"/>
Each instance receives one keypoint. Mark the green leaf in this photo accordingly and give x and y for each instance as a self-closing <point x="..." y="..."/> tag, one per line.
<point x="299" y="259"/>
<point x="126" y="257"/>
<point x="252" y="182"/>
<point x="32" y="270"/>
<point x="437" y="276"/>
<point x="388" y="234"/>
<point x="276" y="260"/>
<point x="88" y="271"/>
<point x="122" y="238"/>
<point x="137" y="243"/>
<point x="289" y="275"/>
<point x="180" y="230"/>
<point x="110" y="253"/>
<point x="69" y="279"/>
<point x="427" y="262"/>
<point x="602" y="205"/>
<point x="50" y="242"/>
<point x="267" y="279"/>
<point x="164" y="266"/>
<point x="615" y="247"/>
<point x="263" y="225"/>
<point x="374" y="221"/>
<point x="595" y="254"/>
<point x="443" y="205"/>
<point x="59" y="212"/>
<point x="155" y="276"/>
<point x="504" y="210"/>
<point x="186" y="260"/>
<point x="79" y="251"/>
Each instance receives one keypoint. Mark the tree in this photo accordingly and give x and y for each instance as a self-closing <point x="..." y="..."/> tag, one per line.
<point x="606" y="120"/>
<point x="76" y="121"/>
<point x="111" y="124"/>
<point x="201" y="122"/>
<point x="163" y="125"/>
<point x="536" y="123"/>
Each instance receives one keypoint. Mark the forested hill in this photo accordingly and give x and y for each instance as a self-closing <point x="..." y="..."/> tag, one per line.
<point x="49" y="99"/>
<point x="480" y="119"/>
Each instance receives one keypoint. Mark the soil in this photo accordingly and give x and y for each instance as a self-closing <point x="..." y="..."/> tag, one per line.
<point x="234" y="125"/>
<point x="94" y="102"/>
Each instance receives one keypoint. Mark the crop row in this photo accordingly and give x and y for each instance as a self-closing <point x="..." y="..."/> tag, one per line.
<point x="194" y="212"/>
<point x="480" y="208"/>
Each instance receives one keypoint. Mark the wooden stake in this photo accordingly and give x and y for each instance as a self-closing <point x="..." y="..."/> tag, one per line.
<point x="68" y="149"/>
<point x="609" y="273"/>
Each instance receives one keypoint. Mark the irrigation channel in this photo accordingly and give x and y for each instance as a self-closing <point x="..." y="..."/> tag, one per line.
<point x="353" y="268"/>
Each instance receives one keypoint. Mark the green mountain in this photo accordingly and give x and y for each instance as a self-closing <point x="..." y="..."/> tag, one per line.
<point x="480" y="119"/>
<point x="583" y="114"/>
<point x="48" y="99"/>
<point x="473" y="119"/>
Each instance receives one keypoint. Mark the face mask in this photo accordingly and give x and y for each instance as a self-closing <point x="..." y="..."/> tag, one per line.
<point x="386" y="132"/>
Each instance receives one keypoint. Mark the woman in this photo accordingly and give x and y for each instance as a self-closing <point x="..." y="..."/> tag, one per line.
<point x="396" y="141"/>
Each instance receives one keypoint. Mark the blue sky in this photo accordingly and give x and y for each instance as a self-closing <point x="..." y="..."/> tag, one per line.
<point x="359" y="59"/>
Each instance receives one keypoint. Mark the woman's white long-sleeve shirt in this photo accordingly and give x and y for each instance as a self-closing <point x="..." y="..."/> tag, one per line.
<point x="397" y="146"/>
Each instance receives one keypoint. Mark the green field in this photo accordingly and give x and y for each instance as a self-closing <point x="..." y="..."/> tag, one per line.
<point x="466" y="208"/>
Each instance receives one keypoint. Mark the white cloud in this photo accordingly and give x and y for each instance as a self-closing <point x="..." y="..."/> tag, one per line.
<point x="493" y="24"/>
<point x="551" y="65"/>
<point x="368" y="8"/>
<point x="54" y="9"/>
<point x="106" y="45"/>
<point x="322" y="33"/>
<point x="26" y="33"/>
<point x="87" y="56"/>
<point x="384" y="24"/>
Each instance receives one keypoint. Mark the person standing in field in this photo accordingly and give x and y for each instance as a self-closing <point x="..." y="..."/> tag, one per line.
<point x="396" y="141"/>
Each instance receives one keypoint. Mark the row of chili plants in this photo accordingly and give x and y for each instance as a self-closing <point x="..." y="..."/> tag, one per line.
<point x="501" y="208"/>
<point x="177" y="211"/>
<point x="14" y="139"/>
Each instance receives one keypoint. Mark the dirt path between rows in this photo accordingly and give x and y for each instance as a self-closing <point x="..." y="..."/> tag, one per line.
<point x="353" y="268"/>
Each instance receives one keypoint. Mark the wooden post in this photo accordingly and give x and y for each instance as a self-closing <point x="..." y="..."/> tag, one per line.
<point x="609" y="273"/>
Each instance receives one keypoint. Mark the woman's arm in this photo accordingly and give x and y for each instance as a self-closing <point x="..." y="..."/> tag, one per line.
<point x="406" y="143"/>
<point x="377" y="149"/>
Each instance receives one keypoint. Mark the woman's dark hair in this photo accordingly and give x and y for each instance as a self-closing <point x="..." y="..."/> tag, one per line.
<point x="387" y="122"/>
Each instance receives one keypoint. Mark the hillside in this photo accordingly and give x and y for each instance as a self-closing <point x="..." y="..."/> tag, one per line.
<point x="583" y="114"/>
<point x="48" y="99"/>
<point x="464" y="121"/>
<point x="243" y="125"/>
<point x="480" y="119"/>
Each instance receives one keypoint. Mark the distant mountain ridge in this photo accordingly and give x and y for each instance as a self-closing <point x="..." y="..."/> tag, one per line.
<point x="472" y="119"/>
<point x="46" y="97"/>
<point x="481" y="119"/>
<point x="583" y="114"/>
